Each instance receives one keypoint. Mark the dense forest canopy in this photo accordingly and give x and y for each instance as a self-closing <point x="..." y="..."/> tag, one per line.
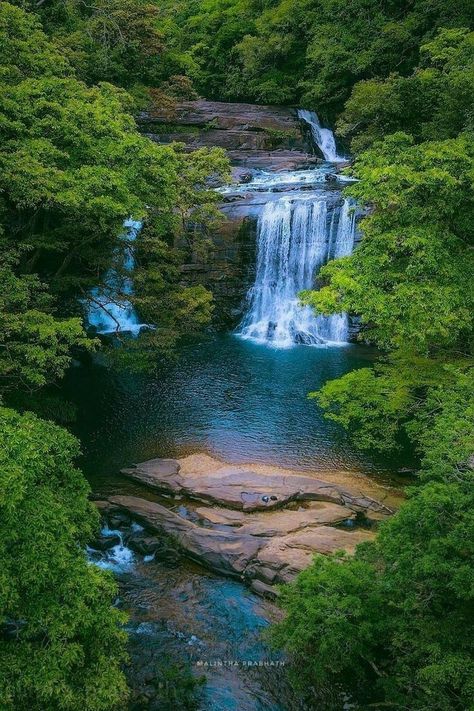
<point x="306" y="52"/>
<point x="61" y="646"/>
<point x="393" y="625"/>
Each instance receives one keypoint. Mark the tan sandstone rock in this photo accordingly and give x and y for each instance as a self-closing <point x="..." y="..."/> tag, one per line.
<point x="236" y="552"/>
<point x="277" y="522"/>
<point x="245" y="489"/>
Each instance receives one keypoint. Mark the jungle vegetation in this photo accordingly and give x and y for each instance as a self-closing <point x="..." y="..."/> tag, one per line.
<point x="392" y="626"/>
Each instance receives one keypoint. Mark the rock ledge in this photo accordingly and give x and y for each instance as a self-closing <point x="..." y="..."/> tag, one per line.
<point x="261" y="526"/>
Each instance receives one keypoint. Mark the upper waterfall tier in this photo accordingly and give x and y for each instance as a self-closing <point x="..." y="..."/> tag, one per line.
<point x="295" y="238"/>
<point x="323" y="137"/>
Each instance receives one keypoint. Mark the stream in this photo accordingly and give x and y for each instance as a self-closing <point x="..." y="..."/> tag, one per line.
<point x="241" y="397"/>
<point x="242" y="402"/>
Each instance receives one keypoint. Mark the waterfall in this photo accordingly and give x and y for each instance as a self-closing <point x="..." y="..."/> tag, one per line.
<point x="109" y="312"/>
<point x="295" y="238"/>
<point x="323" y="137"/>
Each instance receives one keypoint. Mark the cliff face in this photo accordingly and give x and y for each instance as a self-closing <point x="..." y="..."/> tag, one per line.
<point x="235" y="127"/>
<point x="229" y="270"/>
<point x="269" y="138"/>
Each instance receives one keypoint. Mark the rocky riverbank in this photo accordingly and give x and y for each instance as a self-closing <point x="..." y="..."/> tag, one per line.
<point x="262" y="527"/>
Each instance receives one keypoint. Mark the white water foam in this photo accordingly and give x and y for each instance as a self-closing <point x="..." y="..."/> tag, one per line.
<point x="109" y="309"/>
<point x="119" y="558"/>
<point x="323" y="137"/>
<point x="295" y="238"/>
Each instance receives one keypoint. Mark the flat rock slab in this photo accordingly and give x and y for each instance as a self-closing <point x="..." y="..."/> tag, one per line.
<point x="283" y="558"/>
<point x="277" y="160"/>
<point x="245" y="489"/>
<point x="277" y="523"/>
<point x="161" y="467"/>
<point x="269" y="560"/>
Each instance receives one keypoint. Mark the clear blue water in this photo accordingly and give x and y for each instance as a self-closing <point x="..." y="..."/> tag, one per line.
<point x="238" y="400"/>
<point x="242" y="402"/>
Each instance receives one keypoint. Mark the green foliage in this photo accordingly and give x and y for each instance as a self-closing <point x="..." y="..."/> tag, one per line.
<point x="411" y="278"/>
<point x="108" y="40"/>
<point x="73" y="167"/>
<point x="35" y="346"/>
<point x="310" y="52"/>
<point x="60" y="640"/>
<point x="427" y="400"/>
<point x="175" y="310"/>
<point x="331" y="624"/>
<point x="279" y="137"/>
<point x="444" y="427"/>
<point x="393" y="625"/>
<point x="25" y="50"/>
<point x="371" y="405"/>
<point x="435" y="102"/>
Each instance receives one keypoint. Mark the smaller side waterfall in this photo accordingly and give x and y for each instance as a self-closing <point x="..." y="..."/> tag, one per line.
<point x="295" y="238"/>
<point x="109" y="311"/>
<point x="323" y="137"/>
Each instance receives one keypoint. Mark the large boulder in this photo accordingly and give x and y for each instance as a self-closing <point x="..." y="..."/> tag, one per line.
<point x="226" y="553"/>
<point x="246" y="489"/>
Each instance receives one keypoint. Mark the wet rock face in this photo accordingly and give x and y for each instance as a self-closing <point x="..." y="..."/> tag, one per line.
<point x="229" y="270"/>
<point x="249" y="552"/>
<point x="258" y="137"/>
<point x="211" y="116"/>
<point x="104" y="543"/>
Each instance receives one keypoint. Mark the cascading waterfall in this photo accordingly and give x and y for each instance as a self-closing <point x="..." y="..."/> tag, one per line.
<point x="109" y="313"/>
<point x="323" y="137"/>
<point x="295" y="238"/>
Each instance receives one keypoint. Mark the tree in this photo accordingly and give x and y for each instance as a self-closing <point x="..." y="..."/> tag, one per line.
<point x="433" y="103"/>
<point x="411" y="281"/>
<point x="74" y="166"/>
<point x="392" y="626"/>
<point x="307" y="52"/>
<point x="35" y="345"/>
<point x="61" y="646"/>
<point x="105" y="40"/>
